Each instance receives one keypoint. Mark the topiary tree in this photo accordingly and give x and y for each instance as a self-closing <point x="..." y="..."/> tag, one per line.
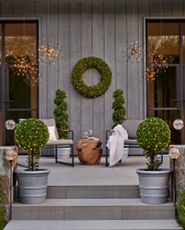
<point x="181" y="210"/>
<point x="32" y="135"/>
<point x="119" y="112"/>
<point x="61" y="113"/>
<point x="153" y="135"/>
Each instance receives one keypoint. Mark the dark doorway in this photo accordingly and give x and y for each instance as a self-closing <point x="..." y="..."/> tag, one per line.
<point x="18" y="74"/>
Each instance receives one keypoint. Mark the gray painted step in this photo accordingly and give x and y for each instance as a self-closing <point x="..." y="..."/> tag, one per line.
<point x="94" y="225"/>
<point x="92" y="209"/>
<point x="84" y="192"/>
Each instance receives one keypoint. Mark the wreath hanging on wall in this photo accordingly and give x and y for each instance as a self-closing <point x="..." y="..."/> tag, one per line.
<point x="91" y="63"/>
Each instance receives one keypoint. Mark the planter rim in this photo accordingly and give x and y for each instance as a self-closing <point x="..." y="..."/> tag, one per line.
<point x="25" y="171"/>
<point x="159" y="171"/>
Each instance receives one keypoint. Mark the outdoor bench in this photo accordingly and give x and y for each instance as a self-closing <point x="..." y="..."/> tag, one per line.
<point x="131" y="143"/>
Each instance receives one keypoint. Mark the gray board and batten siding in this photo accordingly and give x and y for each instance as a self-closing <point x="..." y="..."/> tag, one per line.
<point x="92" y="29"/>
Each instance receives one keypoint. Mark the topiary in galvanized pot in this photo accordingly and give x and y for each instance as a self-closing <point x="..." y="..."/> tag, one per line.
<point x="154" y="185"/>
<point x="153" y="135"/>
<point x="31" y="135"/>
<point x="32" y="185"/>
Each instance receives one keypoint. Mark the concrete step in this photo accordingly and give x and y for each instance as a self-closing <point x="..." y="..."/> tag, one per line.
<point x="92" y="209"/>
<point x="94" y="225"/>
<point x="93" y="191"/>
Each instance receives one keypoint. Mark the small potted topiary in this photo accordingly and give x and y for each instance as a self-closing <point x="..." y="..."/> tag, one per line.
<point x="119" y="110"/>
<point x="153" y="135"/>
<point x="61" y="113"/>
<point x="61" y="119"/>
<point x="31" y="135"/>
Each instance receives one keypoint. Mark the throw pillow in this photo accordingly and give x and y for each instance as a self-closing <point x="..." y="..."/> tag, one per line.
<point x="52" y="133"/>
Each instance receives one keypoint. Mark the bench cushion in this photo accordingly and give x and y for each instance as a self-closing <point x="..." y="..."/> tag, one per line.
<point x="130" y="142"/>
<point x="60" y="142"/>
<point x="131" y="127"/>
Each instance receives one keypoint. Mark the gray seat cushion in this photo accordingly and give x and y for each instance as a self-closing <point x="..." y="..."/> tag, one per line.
<point x="131" y="127"/>
<point x="51" y="123"/>
<point x="130" y="142"/>
<point x="60" y="142"/>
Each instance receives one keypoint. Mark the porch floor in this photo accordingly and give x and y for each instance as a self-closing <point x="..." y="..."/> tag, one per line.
<point x="123" y="173"/>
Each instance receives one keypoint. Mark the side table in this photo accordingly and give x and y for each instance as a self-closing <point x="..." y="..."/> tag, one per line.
<point x="89" y="150"/>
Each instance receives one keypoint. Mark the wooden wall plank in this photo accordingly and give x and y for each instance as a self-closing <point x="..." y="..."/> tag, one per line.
<point x="132" y="35"/>
<point x="75" y="55"/>
<point x="87" y="104"/>
<point x="98" y="51"/>
<point x="52" y="39"/>
<point x="64" y="72"/>
<point x="154" y="9"/>
<point x="6" y="9"/>
<point x="178" y="9"/>
<point x="43" y="72"/>
<point x="121" y="58"/>
<point x="167" y="8"/>
<point x="110" y="57"/>
<point x="143" y="12"/>
<point x="18" y="9"/>
<point x="63" y="78"/>
<point x="29" y="9"/>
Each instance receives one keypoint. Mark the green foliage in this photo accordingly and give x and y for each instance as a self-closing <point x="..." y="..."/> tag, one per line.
<point x="61" y="113"/>
<point x="119" y="112"/>
<point x="91" y="63"/>
<point x="181" y="210"/>
<point x="2" y="208"/>
<point x="32" y="135"/>
<point x="153" y="135"/>
<point x="3" y="220"/>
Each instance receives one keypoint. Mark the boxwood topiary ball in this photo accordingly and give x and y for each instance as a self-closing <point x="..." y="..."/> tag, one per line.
<point x="31" y="135"/>
<point x="153" y="135"/>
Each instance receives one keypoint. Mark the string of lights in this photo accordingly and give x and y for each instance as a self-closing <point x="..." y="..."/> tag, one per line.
<point x="47" y="51"/>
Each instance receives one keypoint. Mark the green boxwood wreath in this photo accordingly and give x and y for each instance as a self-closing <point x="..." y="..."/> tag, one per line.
<point x="91" y="63"/>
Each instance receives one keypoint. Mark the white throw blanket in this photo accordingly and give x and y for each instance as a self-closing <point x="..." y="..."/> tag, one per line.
<point x="116" y="144"/>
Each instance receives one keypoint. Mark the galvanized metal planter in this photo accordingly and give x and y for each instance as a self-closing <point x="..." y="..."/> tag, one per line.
<point x="154" y="185"/>
<point x="32" y="185"/>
